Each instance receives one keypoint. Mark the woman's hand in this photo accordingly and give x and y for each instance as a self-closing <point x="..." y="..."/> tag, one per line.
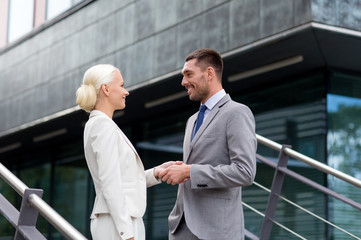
<point x="162" y="167"/>
<point x="178" y="173"/>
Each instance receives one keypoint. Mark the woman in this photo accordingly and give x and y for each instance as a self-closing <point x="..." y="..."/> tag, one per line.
<point x="118" y="174"/>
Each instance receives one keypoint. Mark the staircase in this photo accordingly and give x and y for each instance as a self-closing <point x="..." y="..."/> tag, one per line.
<point x="280" y="171"/>
<point x="24" y="221"/>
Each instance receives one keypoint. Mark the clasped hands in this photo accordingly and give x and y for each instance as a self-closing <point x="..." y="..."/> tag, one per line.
<point x="173" y="172"/>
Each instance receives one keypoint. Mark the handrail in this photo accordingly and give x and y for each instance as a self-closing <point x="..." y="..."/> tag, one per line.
<point x="281" y="170"/>
<point x="39" y="204"/>
<point x="12" y="180"/>
<point x="71" y="233"/>
<point x="304" y="210"/>
<point x="312" y="162"/>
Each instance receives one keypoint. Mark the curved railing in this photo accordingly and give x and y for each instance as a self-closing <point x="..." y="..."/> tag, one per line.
<point x="274" y="193"/>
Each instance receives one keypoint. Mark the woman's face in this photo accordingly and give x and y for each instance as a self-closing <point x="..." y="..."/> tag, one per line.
<point x="117" y="92"/>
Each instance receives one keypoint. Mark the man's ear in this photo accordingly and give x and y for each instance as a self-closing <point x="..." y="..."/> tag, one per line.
<point x="105" y="89"/>
<point x="210" y="73"/>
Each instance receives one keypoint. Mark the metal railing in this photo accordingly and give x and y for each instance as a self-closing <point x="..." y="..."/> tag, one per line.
<point x="32" y="203"/>
<point x="274" y="193"/>
<point x="312" y="162"/>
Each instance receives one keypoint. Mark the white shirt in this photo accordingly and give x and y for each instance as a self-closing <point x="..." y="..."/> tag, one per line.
<point x="211" y="102"/>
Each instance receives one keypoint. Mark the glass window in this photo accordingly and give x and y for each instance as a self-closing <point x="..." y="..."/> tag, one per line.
<point x="344" y="147"/>
<point x="4" y="8"/>
<point x="7" y="230"/>
<point x="21" y="18"/>
<point x="71" y="194"/>
<point x="38" y="177"/>
<point x="290" y="112"/>
<point x="56" y="7"/>
<point x="162" y="140"/>
<point x="280" y="116"/>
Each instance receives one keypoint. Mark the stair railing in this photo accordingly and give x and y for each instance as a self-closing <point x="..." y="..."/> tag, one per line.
<point x="280" y="171"/>
<point x="32" y="204"/>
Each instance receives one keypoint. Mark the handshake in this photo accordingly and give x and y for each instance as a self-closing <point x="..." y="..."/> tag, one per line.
<point x="173" y="172"/>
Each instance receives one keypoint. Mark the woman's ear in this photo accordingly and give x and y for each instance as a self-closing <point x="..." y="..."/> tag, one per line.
<point x="105" y="89"/>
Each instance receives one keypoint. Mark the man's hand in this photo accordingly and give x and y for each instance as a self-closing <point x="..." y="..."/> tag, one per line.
<point x="176" y="174"/>
<point x="162" y="167"/>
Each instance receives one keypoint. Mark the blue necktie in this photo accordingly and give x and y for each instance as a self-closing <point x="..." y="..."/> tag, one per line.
<point x="200" y="117"/>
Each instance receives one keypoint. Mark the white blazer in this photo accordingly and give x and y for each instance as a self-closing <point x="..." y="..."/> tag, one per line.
<point x="118" y="174"/>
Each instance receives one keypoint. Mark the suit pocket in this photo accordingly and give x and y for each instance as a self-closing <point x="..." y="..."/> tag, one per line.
<point x="215" y="193"/>
<point x="211" y="135"/>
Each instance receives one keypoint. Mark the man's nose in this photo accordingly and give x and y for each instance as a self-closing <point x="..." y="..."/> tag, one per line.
<point x="184" y="82"/>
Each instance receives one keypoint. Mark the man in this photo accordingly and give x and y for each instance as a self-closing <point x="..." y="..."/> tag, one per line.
<point x="217" y="161"/>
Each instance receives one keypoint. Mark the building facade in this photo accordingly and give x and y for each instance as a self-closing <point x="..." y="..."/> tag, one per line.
<point x="295" y="63"/>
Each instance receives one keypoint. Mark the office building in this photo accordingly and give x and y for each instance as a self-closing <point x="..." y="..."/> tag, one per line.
<point x="295" y="63"/>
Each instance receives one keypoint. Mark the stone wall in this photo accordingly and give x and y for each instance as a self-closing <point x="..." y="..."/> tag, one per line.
<point x="144" y="39"/>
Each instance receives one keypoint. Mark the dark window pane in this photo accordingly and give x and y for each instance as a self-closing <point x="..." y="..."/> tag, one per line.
<point x="71" y="193"/>
<point x="344" y="147"/>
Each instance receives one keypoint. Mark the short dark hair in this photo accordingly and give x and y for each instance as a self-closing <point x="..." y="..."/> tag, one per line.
<point x="208" y="57"/>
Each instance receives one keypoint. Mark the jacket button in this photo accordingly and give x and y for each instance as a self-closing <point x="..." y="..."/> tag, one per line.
<point x="121" y="233"/>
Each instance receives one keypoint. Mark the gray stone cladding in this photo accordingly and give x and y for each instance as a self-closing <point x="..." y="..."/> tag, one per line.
<point x="145" y="39"/>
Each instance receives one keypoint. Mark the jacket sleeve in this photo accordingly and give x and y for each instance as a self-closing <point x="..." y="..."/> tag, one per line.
<point x="150" y="179"/>
<point x="242" y="146"/>
<point x="107" y="148"/>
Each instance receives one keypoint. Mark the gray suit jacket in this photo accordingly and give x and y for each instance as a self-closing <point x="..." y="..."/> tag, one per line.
<point x="223" y="158"/>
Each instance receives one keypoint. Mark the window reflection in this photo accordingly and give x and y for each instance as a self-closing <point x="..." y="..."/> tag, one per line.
<point x="70" y="194"/>
<point x="290" y="112"/>
<point x="21" y="15"/>
<point x="24" y="15"/>
<point x="344" y="147"/>
<point x="6" y="229"/>
<point x="38" y="177"/>
<point x="161" y="141"/>
<point x="56" y="7"/>
<point x="344" y="137"/>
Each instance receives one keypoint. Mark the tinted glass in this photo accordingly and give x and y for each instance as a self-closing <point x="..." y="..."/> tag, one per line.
<point x="344" y="148"/>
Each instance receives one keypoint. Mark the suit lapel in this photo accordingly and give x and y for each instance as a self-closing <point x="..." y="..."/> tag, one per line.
<point x="128" y="142"/>
<point x="98" y="113"/>
<point x="188" y="136"/>
<point x="204" y="125"/>
<point x="188" y="144"/>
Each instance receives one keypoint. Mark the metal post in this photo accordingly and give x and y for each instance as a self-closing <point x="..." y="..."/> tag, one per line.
<point x="273" y="197"/>
<point x="55" y="219"/>
<point x="9" y="211"/>
<point x="26" y="227"/>
<point x="37" y="203"/>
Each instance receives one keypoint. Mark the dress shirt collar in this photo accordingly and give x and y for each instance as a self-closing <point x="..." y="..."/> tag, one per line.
<point x="212" y="101"/>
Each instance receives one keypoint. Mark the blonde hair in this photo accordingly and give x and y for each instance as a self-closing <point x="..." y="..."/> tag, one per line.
<point x="94" y="77"/>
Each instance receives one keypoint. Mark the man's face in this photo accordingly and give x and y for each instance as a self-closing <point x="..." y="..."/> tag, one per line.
<point x="194" y="80"/>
